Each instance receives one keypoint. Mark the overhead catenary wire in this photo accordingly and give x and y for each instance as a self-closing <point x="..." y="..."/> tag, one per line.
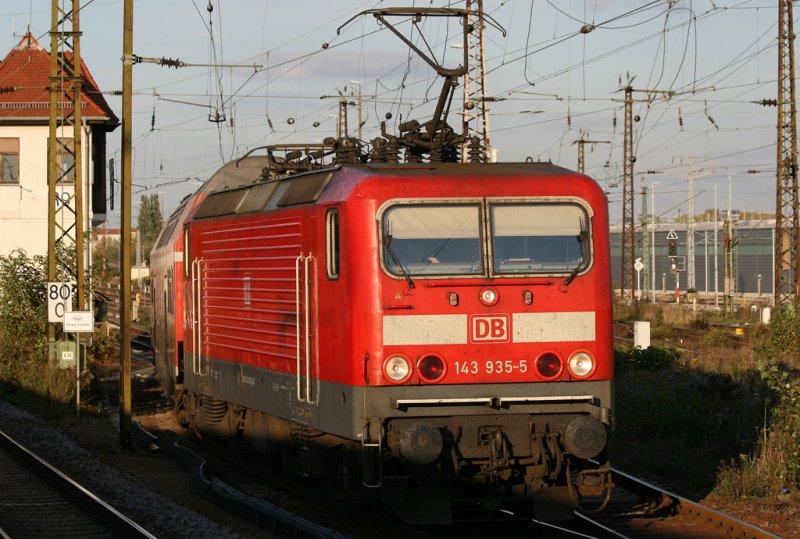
<point x="247" y="91"/>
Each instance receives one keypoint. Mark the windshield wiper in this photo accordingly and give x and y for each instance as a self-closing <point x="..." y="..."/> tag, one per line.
<point x="582" y="237"/>
<point x="574" y="273"/>
<point x="387" y="240"/>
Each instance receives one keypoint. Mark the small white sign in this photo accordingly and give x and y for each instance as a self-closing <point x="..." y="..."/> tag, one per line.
<point x="638" y="266"/>
<point x="671" y="235"/>
<point x="59" y="300"/>
<point x="79" y="321"/>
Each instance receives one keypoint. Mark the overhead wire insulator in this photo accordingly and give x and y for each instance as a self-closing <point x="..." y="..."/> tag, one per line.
<point x="710" y="119"/>
<point x="378" y="154"/>
<point x="476" y="151"/>
<point x="569" y="113"/>
<point x="170" y="62"/>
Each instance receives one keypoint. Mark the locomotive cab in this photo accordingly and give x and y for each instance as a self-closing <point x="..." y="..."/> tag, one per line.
<point x="486" y="343"/>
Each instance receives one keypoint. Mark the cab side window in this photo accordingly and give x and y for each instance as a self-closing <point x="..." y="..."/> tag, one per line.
<point x="332" y="243"/>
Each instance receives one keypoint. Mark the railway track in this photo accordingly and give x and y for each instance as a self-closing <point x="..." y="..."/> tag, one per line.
<point x="281" y="504"/>
<point x="37" y="500"/>
<point x="640" y="509"/>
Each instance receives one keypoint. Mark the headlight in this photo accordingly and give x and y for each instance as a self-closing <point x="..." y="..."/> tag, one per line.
<point x="549" y="365"/>
<point x="431" y="368"/>
<point x="489" y="296"/>
<point x="397" y="369"/>
<point x="581" y="364"/>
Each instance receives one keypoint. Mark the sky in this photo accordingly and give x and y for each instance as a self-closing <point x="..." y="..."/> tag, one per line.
<point x="701" y="67"/>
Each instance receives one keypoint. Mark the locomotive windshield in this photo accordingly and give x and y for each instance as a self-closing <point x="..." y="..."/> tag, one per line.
<point x="447" y="239"/>
<point x="538" y="238"/>
<point x="433" y="240"/>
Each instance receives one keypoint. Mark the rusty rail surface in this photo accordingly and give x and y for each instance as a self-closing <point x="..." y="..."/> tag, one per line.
<point x="641" y="509"/>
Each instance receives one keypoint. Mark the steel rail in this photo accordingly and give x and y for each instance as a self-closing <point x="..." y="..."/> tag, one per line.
<point x="113" y="520"/>
<point x="721" y="523"/>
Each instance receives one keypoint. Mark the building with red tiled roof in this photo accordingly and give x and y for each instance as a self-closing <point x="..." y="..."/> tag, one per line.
<point x="24" y="136"/>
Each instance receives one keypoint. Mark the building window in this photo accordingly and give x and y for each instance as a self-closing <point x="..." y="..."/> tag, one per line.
<point x="65" y="160"/>
<point x="9" y="160"/>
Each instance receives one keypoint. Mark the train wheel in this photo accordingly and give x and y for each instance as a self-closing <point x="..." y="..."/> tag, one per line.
<point x="182" y="411"/>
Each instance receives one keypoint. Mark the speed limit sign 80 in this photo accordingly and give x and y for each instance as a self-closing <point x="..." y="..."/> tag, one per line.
<point x="59" y="300"/>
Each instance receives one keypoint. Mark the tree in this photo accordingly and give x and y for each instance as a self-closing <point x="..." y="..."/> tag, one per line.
<point x="150" y="223"/>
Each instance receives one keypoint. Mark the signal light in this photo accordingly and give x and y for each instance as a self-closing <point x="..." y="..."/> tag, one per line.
<point x="673" y="248"/>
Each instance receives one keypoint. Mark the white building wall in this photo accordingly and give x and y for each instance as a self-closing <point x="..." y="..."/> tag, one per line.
<point x="23" y="206"/>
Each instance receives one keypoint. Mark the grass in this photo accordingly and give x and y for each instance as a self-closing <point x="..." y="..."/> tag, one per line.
<point x="680" y="421"/>
<point x="700" y="410"/>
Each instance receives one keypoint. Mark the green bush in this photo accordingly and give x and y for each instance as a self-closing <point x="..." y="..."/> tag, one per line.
<point x="776" y="461"/>
<point x="23" y="315"/>
<point x="26" y="374"/>
<point x="655" y="358"/>
<point x="105" y="346"/>
<point x="783" y="433"/>
<point x="784" y="343"/>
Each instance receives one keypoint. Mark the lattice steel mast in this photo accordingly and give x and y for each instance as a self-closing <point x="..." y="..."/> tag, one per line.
<point x="581" y="142"/>
<point x="65" y="201"/>
<point x="645" y="248"/>
<point x="627" y="253"/>
<point x="628" y="241"/>
<point x="476" y="108"/>
<point x="787" y="233"/>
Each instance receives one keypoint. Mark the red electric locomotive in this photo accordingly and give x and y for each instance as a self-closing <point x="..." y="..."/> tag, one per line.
<point x="166" y="264"/>
<point x="437" y="332"/>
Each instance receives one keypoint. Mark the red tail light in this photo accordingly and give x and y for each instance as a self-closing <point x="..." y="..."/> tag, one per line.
<point x="549" y="365"/>
<point x="431" y="368"/>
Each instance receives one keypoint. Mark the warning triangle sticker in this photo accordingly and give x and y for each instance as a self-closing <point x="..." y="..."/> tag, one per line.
<point x="397" y="295"/>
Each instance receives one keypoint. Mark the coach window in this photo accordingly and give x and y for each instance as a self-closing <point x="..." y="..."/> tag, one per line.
<point x="332" y="249"/>
<point x="432" y="239"/>
<point x="538" y="238"/>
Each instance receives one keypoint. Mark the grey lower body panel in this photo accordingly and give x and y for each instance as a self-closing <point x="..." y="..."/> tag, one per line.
<point x="346" y="411"/>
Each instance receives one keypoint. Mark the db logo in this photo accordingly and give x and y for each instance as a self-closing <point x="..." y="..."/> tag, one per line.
<point x="489" y="328"/>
